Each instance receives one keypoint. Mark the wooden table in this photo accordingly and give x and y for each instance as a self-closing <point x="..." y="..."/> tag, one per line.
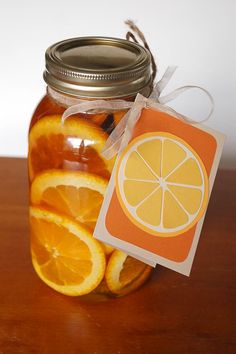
<point x="172" y="314"/>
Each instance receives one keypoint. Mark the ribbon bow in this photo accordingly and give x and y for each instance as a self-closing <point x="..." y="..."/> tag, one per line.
<point x="120" y="135"/>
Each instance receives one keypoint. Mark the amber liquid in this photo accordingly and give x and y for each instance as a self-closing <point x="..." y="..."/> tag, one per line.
<point x="57" y="151"/>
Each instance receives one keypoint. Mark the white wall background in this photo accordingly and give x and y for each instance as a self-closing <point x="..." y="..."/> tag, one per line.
<point x="197" y="35"/>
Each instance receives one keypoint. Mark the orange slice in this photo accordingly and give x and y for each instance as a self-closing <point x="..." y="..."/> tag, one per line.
<point x="125" y="274"/>
<point x="74" y="145"/>
<point x="77" y="194"/>
<point x="162" y="184"/>
<point x="64" y="253"/>
<point x="107" y="248"/>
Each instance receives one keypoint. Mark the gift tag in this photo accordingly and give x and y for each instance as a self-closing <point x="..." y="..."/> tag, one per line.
<point x="160" y="186"/>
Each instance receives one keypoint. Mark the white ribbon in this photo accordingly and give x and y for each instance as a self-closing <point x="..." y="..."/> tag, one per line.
<point x="121" y="134"/>
<point x="96" y="106"/>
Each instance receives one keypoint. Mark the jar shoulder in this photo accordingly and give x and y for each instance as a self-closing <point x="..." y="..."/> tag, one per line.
<point x="47" y="106"/>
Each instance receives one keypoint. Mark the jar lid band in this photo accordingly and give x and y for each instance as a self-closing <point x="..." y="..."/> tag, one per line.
<point x="98" y="67"/>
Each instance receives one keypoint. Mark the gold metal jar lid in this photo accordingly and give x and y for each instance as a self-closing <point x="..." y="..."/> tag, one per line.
<point x="97" y="67"/>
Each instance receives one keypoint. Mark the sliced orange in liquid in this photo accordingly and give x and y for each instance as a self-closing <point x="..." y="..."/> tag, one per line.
<point x="125" y="274"/>
<point x="74" y="145"/>
<point x="65" y="255"/>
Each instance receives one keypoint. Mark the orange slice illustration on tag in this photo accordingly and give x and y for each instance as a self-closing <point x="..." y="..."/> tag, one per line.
<point x="162" y="184"/>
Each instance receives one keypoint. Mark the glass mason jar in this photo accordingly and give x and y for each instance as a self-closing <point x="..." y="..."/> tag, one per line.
<point x="67" y="173"/>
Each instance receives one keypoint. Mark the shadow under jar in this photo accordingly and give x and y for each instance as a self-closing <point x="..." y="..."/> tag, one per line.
<point x="68" y="175"/>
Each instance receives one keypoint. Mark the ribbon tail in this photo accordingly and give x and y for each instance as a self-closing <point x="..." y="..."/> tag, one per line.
<point x="161" y="84"/>
<point x="174" y="94"/>
<point x="113" y="142"/>
<point x="122" y="133"/>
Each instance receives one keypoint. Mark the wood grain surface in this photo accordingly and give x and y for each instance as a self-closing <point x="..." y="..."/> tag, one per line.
<point x="170" y="314"/>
